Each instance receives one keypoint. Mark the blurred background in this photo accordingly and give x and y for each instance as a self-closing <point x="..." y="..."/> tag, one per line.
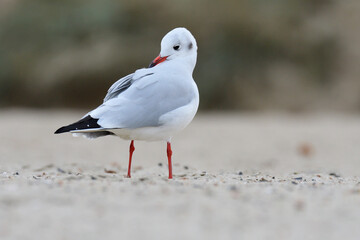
<point x="256" y="171"/>
<point x="299" y="55"/>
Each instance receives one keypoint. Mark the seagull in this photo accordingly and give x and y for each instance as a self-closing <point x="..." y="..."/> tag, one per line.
<point x="151" y="104"/>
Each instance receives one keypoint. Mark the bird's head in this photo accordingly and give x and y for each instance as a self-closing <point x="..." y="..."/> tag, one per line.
<point x="179" y="43"/>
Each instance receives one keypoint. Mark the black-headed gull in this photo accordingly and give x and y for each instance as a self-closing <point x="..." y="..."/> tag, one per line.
<point x="152" y="103"/>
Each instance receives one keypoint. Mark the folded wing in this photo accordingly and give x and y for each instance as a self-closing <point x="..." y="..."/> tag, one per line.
<point x="135" y="101"/>
<point x="150" y="96"/>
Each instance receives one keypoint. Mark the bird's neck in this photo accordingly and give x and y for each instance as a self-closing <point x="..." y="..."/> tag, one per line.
<point x="188" y="62"/>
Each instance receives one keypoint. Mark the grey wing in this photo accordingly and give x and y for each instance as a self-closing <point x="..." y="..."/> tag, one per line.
<point x="142" y="104"/>
<point x="119" y="86"/>
<point x="124" y="83"/>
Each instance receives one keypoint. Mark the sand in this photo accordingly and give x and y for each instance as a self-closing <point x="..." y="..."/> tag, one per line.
<point x="236" y="176"/>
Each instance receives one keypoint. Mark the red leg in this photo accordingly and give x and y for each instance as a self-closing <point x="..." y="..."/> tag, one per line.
<point x="131" y="150"/>
<point x="169" y="153"/>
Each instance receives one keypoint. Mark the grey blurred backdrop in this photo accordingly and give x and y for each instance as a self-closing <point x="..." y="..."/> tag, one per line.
<point x="296" y="55"/>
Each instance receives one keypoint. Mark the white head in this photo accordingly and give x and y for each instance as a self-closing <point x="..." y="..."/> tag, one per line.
<point x="176" y="44"/>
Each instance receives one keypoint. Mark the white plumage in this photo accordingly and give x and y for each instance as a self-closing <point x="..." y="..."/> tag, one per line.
<point x="152" y="103"/>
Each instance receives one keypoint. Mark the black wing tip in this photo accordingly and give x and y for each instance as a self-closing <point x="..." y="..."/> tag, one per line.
<point x="60" y="130"/>
<point x="84" y="123"/>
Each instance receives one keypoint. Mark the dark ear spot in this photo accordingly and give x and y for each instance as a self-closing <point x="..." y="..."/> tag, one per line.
<point x="190" y="46"/>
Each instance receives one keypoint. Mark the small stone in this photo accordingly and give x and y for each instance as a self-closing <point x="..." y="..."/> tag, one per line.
<point x="60" y="170"/>
<point x="334" y="175"/>
<point x="305" y="150"/>
<point x="233" y="188"/>
<point x="240" y="173"/>
<point x="160" y="164"/>
<point x="299" y="205"/>
<point x="293" y="182"/>
<point x="44" y="168"/>
<point x="93" y="178"/>
<point x="263" y="180"/>
<point x="298" y="178"/>
<point x="109" y="171"/>
<point x="186" y="167"/>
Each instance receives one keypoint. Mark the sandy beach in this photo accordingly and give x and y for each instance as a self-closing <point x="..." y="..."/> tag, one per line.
<point x="236" y="176"/>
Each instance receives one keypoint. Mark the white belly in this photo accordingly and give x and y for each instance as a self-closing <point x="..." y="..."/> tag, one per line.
<point x="171" y="123"/>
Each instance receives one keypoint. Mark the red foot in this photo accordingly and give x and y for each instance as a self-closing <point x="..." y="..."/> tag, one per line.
<point x="131" y="150"/>
<point x="169" y="153"/>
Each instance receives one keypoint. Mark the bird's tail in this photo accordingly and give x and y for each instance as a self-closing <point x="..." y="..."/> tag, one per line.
<point x="83" y="124"/>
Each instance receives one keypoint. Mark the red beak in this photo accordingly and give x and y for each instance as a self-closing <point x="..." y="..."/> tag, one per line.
<point x="157" y="61"/>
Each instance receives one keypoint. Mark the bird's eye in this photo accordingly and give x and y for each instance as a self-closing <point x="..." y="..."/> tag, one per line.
<point x="176" y="47"/>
